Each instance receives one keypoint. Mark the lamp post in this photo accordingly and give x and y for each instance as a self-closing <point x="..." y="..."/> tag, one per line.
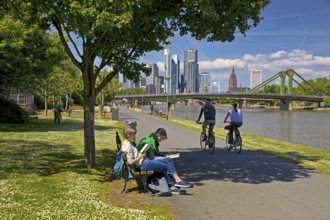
<point x="143" y="87"/>
<point x="167" y="89"/>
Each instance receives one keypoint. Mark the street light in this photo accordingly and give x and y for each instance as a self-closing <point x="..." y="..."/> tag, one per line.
<point x="143" y="87"/>
<point x="167" y="89"/>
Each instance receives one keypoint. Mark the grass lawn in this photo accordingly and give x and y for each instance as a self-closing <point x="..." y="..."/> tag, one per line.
<point x="42" y="173"/>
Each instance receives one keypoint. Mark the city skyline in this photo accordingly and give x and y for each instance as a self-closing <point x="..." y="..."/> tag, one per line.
<point x="293" y="34"/>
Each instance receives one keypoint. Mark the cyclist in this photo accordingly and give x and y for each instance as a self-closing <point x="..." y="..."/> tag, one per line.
<point x="236" y="120"/>
<point x="209" y="116"/>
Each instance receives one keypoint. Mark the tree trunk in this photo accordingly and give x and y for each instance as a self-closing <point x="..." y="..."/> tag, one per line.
<point x="46" y="98"/>
<point x="66" y="102"/>
<point x="89" y="136"/>
<point x="101" y="105"/>
<point x="89" y="111"/>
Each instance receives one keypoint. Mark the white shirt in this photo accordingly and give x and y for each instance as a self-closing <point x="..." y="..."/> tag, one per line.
<point x="131" y="151"/>
<point x="236" y="116"/>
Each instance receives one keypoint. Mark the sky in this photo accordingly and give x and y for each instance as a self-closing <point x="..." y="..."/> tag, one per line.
<point x="294" y="34"/>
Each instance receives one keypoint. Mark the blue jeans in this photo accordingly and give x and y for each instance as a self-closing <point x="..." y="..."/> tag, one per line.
<point x="160" y="165"/>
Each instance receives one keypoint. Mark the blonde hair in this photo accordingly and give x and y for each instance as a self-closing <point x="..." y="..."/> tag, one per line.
<point x="128" y="131"/>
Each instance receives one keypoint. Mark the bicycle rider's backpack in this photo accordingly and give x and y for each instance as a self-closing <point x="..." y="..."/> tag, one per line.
<point x="159" y="187"/>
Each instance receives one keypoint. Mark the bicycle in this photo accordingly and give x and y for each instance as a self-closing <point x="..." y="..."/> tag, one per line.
<point x="237" y="142"/>
<point x="207" y="141"/>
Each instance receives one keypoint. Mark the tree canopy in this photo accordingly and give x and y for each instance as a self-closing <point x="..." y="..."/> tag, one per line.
<point x="27" y="52"/>
<point x="107" y="33"/>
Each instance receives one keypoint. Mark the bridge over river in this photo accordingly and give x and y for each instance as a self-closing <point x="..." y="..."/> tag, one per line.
<point x="285" y="96"/>
<point x="241" y="98"/>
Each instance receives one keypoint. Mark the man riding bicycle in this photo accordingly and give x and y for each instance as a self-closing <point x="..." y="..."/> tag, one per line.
<point x="209" y="116"/>
<point x="236" y="120"/>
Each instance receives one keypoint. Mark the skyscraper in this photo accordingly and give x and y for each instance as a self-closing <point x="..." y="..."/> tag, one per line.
<point x="159" y="81"/>
<point x="205" y="83"/>
<point x="168" y="69"/>
<point x="232" y="81"/>
<point x="150" y="80"/>
<point x="255" y="78"/>
<point x="190" y="71"/>
<point x="175" y="73"/>
<point x="215" y="87"/>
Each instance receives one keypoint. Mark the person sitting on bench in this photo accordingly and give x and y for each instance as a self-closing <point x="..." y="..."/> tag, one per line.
<point x="160" y="164"/>
<point x="133" y="157"/>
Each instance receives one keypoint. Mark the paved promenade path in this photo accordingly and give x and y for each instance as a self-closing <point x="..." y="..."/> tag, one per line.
<point x="229" y="186"/>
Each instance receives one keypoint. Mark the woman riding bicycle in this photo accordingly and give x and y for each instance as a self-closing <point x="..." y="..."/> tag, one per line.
<point x="209" y="116"/>
<point x="236" y="120"/>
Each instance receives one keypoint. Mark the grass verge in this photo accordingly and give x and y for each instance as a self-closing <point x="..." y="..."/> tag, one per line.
<point x="42" y="173"/>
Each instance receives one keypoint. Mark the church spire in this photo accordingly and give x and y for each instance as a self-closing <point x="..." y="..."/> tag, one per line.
<point x="232" y="81"/>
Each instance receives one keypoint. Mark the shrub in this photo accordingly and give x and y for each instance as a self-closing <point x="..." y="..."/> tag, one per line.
<point x="11" y="112"/>
<point x="78" y="98"/>
<point x="327" y="101"/>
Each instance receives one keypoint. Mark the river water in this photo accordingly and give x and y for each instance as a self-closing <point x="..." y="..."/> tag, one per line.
<point x="305" y="127"/>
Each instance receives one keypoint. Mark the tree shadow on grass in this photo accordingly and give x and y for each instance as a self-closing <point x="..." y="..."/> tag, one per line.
<point x="36" y="157"/>
<point x="47" y="124"/>
<point x="249" y="167"/>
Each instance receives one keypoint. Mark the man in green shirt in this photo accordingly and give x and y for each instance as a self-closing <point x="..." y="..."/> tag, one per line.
<point x="152" y="160"/>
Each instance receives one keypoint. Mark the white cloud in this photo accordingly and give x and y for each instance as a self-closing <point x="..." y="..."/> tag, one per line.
<point x="277" y="54"/>
<point x="160" y="66"/>
<point x="322" y="61"/>
<point x="304" y="71"/>
<point x="221" y="64"/>
<point x="280" y="60"/>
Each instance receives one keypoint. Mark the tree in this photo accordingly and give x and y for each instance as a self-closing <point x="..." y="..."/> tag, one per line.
<point x="64" y="79"/>
<point x="71" y="80"/>
<point x="108" y="92"/>
<point x="318" y="86"/>
<point x="116" y="34"/>
<point x="273" y="88"/>
<point x="27" y="52"/>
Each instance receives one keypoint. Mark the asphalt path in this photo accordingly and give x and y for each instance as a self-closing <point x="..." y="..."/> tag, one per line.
<point x="250" y="185"/>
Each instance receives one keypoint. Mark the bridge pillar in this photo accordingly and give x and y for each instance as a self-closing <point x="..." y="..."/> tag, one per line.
<point x="136" y="103"/>
<point x="286" y="105"/>
<point x="244" y="104"/>
<point x="282" y="76"/>
<point x="290" y="74"/>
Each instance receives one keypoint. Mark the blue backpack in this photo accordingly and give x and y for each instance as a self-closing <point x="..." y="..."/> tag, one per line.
<point x="118" y="168"/>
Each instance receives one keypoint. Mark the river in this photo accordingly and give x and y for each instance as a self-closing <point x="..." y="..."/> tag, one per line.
<point x="305" y="127"/>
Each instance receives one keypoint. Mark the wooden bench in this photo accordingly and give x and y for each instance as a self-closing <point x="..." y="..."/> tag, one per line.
<point x="33" y="117"/>
<point x="140" y="176"/>
<point x="104" y="112"/>
<point x="69" y="111"/>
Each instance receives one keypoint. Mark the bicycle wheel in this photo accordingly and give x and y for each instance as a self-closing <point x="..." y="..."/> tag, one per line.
<point x="238" y="144"/>
<point x="202" y="142"/>
<point x="211" y="144"/>
<point x="227" y="144"/>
